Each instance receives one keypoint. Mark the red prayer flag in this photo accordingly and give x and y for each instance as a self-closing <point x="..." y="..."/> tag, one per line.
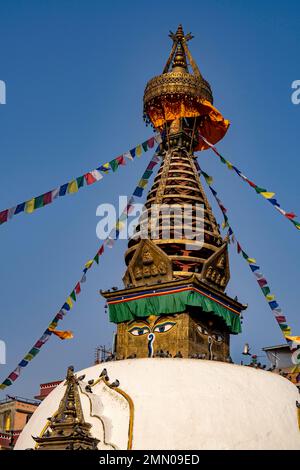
<point x="262" y="282"/>
<point x="101" y="250"/>
<point x="38" y="344"/>
<point x="121" y="160"/>
<point x="239" y="248"/>
<point x="150" y="142"/>
<point x="129" y="208"/>
<point x="47" y="198"/>
<point x="3" y="216"/>
<point x="13" y="376"/>
<point x="89" y="178"/>
<point x="223" y="209"/>
<point x="281" y="319"/>
<point x="251" y="183"/>
<point x="78" y="288"/>
<point x="290" y="215"/>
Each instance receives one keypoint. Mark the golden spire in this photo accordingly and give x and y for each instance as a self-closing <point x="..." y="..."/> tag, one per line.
<point x="174" y="101"/>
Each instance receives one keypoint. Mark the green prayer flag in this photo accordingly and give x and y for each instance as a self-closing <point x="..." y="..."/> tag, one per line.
<point x="147" y="174"/>
<point x="260" y="190"/>
<point x="34" y="351"/>
<point x="73" y="295"/>
<point x="145" y="146"/>
<point x="39" y="202"/>
<point x="266" y="290"/>
<point x="7" y="382"/>
<point x="96" y="258"/>
<point x="80" y="181"/>
<point x="114" y="164"/>
<point x="297" y="224"/>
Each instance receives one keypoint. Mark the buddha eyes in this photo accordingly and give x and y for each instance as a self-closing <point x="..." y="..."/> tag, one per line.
<point x="215" y="336"/>
<point x="139" y="331"/>
<point x="163" y="327"/>
<point x="202" y="330"/>
<point x="218" y="338"/>
<point x="160" y="328"/>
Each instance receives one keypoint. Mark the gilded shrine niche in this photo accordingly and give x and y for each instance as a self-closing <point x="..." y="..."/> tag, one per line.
<point x="149" y="265"/>
<point x="216" y="269"/>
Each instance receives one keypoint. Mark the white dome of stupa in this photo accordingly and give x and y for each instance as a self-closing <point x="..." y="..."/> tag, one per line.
<point x="162" y="403"/>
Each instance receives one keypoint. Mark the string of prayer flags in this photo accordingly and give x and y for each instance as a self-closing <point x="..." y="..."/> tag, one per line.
<point x="72" y="297"/>
<point x="74" y="185"/>
<point x="268" y="195"/>
<point x="255" y="269"/>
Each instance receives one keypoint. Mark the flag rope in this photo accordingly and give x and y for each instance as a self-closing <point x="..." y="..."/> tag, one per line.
<point x="74" y="185"/>
<point x="255" y="269"/>
<point x="269" y="196"/>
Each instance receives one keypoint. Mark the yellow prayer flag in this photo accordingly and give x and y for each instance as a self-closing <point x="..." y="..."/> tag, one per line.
<point x="106" y="165"/>
<point x="270" y="297"/>
<point x="28" y="357"/>
<point x="29" y="206"/>
<point x="143" y="183"/>
<point x="138" y="151"/>
<point x="89" y="263"/>
<point x="251" y="260"/>
<point x="72" y="187"/>
<point x="69" y="302"/>
<point x="267" y="195"/>
<point x="287" y="332"/>
<point x="119" y="225"/>
<point x="229" y="165"/>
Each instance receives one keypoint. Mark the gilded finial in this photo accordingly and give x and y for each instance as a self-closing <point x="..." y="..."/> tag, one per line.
<point x="180" y="36"/>
<point x="179" y="33"/>
<point x="180" y="58"/>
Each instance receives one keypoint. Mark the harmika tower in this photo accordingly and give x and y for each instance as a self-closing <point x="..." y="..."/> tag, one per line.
<point x="174" y="302"/>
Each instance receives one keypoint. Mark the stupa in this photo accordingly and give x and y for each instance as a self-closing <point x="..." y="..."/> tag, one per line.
<point x="172" y="384"/>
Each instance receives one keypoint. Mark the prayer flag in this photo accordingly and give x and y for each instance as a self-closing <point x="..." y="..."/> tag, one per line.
<point x="63" y="334"/>
<point x="72" y="187"/>
<point x="267" y="195"/>
<point x="3" y="216"/>
<point x="138" y="150"/>
<point x="29" y="206"/>
<point x="77" y="288"/>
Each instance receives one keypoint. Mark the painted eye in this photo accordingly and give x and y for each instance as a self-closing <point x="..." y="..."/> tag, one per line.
<point x="163" y="327"/>
<point x="202" y="330"/>
<point x="218" y="338"/>
<point x="139" y="331"/>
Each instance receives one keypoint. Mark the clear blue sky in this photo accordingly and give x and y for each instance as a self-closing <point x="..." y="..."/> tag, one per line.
<point x="75" y="74"/>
